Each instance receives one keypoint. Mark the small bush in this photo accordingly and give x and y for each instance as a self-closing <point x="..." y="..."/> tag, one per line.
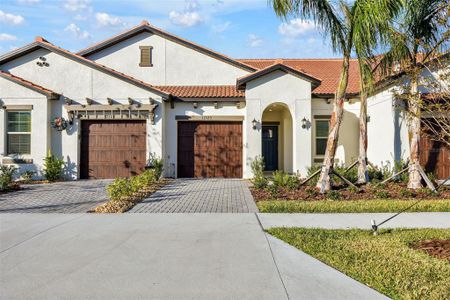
<point x="53" y="167"/>
<point x="273" y="190"/>
<point x="382" y="194"/>
<point x="258" y="180"/>
<point x="118" y="189"/>
<point x="311" y="171"/>
<point x="157" y="164"/>
<point x="6" y="177"/>
<point x="27" y="176"/>
<point x="333" y="195"/>
<point x="312" y="192"/>
<point x="351" y="175"/>
<point x="406" y="193"/>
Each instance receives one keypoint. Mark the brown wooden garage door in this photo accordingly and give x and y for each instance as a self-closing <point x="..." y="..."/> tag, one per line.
<point x="210" y="149"/>
<point x="434" y="157"/>
<point x="111" y="149"/>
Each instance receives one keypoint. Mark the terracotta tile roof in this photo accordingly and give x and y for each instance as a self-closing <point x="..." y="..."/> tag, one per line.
<point x="328" y="70"/>
<point x="203" y="91"/>
<point x="29" y="84"/>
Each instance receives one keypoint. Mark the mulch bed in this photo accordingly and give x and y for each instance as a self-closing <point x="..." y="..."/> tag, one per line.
<point x="367" y="192"/>
<point x="436" y="248"/>
<point x="123" y="205"/>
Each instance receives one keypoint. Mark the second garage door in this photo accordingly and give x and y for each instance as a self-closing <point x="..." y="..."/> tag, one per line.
<point x="111" y="149"/>
<point x="210" y="149"/>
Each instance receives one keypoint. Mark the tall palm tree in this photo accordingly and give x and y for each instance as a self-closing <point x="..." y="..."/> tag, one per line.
<point x="419" y="35"/>
<point x="350" y="26"/>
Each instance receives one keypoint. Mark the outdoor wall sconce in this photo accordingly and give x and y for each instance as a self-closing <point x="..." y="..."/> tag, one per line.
<point x="254" y="123"/>
<point x="304" y="122"/>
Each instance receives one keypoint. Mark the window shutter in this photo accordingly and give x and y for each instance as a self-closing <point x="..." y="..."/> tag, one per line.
<point x="146" y="56"/>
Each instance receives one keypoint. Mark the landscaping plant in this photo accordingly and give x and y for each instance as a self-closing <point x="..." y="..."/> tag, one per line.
<point x="53" y="167"/>
<point x="6" y="177"/>
<point x="27" y="176"/>
<point x="259" y="180"/>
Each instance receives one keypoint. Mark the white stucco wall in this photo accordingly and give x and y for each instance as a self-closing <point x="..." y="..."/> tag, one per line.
<point x="348" y="144"/>
<point x="14" y="94"/>
<point x="78" y="81"/>
<point x="387" y="130"/>
<point x="279" y="87"/>
<point x="173" y="63"/>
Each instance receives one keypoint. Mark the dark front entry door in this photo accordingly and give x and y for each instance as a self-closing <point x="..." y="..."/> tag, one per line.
<point x="270" y="147"/>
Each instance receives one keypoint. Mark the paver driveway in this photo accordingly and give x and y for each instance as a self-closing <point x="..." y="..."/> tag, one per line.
<point x="61" y="197"/>
<point x="215" y="195"/>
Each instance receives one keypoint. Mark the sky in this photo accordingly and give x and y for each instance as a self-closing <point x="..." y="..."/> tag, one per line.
<point x="237" y="28"/>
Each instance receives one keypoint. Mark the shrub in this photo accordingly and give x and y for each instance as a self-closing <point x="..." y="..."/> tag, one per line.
<point x="311" y="192"/>
<point x="351" y="175"/>
<point x="6" y="177"/>
<point x="311" y="170"/>
<point x="406" y="193"/>
<point x="273" y="190"/>
<point x="258" y="180"/>
<point x="333" y="195"/>
<point x="118" y="189"/>
<point x="382" y="194"/>
<point x="157" y="164"/>
<point x="27" y="176"/>
<point x="280" y="178"/>
<point x="53" y="167"/>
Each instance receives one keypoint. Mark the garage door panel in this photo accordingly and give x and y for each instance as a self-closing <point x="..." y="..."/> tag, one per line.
<point x="111" y="148"/>
<point x="204" y="149"/>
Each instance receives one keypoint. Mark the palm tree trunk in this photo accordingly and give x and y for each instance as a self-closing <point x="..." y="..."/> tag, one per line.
<point x="414" y="133"/>
<point x="363" y="174"/>
<point x="324" y="182"/>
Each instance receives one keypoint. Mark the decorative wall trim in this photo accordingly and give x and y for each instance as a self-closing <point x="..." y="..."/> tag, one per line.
<point x="18" y="107"/>
<point x="209" y="118"/>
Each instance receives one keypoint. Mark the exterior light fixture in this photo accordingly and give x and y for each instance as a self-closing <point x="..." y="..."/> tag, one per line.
<point x="254" y="123"/>
<point x="304" y="122"/>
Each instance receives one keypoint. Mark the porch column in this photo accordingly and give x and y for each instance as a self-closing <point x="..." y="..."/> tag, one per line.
<point x="302" y="136"/>
<point x="251" y="137"/>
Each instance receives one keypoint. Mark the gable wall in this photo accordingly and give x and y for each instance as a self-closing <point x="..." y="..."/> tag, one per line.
<point x="173" y="64"/>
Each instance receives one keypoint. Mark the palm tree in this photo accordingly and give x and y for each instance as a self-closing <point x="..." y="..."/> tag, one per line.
<point x="350" y="27"/>
<point x="418" y="37"/>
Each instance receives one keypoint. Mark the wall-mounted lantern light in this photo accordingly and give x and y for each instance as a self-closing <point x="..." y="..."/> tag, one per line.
<point x="254" y="123"/>
<point x="304" y="122"/>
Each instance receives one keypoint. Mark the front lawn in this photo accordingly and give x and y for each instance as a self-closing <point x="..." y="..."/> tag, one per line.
<point x="387" y="262"/>
<point x="349" y="206"/>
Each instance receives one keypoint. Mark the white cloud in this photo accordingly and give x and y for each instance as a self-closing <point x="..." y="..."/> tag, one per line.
<point x="295" y="28"/>
<point x="77" y="32"/>
<point x="11" y="19"/>
<point x="76" y="5"/>
<point x="28" y="1"/>
<point x="219" y="28"/>
<point x="189" y="17"/>
<point x="80" y="17"/>
<point x="254" y="40"/>
<point x="185" y="19"/>
<point x="106" y="20"/>
<point x="7" y="37"/>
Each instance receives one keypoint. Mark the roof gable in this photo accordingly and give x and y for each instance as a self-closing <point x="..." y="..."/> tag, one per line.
<point x="146" y="27"/>
<point x="28" y="84"/>
<point x="42" y="43"/>
<point x="241" y="82"/>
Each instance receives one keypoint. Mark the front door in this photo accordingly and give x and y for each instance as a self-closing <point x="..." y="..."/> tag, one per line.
<point x="270" y="147"/>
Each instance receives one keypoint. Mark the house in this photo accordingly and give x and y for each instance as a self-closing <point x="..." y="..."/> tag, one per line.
<point x="146" y="91"/>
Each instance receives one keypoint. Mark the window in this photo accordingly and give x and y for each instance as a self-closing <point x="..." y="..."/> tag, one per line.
<point x="146" y="56"/>
<point x="19" y="132"/>
<point x="321" y="133"/>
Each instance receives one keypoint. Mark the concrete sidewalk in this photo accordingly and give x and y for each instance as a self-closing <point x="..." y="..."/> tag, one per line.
<point x="356" y="220"/>
<point x="159" y="256"/>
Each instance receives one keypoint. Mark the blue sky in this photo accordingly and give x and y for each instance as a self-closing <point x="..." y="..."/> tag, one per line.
<point x="238" y="28"/>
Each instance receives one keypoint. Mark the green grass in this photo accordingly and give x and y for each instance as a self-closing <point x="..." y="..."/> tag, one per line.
<point x="349" y="206"/>
<point x="384" y="262"/>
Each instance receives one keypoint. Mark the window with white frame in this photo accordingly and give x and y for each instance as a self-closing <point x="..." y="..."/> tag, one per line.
<point x="322" y="126"/>
<point x="18" y="132"/>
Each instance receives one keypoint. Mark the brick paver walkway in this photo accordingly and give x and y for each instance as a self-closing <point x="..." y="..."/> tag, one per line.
<point x="200" y="196"/>
<point x="61" y="197"/>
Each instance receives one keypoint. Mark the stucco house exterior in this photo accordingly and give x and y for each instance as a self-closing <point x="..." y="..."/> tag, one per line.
<point x="146" y="91"/>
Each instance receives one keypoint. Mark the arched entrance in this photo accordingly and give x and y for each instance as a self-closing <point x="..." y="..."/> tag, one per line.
<point x="277" y="137"/>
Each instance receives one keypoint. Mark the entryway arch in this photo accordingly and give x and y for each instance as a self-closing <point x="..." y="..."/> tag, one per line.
<point x="277" y="137"/>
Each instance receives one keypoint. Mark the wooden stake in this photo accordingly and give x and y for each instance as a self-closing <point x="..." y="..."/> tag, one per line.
<point x="425" y="178"/>
<point x="310" y="177"/>
<point x="395" y="175"/>
<point x="344" y="179"/>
